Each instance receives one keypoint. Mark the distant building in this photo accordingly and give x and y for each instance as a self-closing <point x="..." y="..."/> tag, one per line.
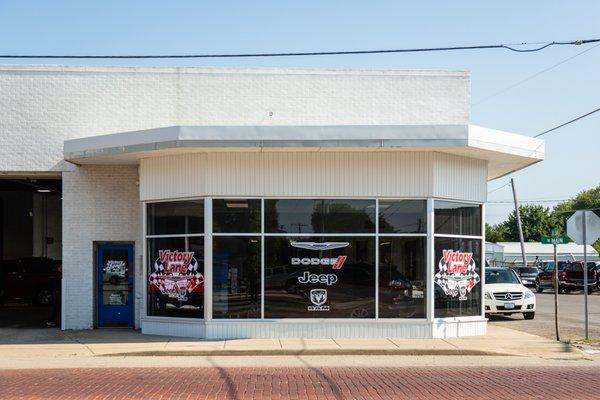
<point x="509" y="253"/>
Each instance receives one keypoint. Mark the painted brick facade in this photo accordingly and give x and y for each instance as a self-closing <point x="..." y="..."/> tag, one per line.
<point x="43" y="106"/>
<point x="100" y="203"/>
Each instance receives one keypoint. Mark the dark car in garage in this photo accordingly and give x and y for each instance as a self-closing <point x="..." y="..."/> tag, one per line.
<point x="30" y="280"/>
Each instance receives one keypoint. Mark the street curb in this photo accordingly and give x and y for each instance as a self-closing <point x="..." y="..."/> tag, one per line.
<point x="315" y="352"/>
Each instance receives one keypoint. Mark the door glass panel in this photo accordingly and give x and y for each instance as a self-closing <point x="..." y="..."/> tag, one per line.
<point x="115" y="277"/>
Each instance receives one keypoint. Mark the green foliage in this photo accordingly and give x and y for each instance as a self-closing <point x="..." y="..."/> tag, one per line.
<point x="495" y="233"/>
<point x="536" y="221"/>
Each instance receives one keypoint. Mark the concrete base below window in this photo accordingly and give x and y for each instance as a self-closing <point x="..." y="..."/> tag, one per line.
<point x="313" y="328"/>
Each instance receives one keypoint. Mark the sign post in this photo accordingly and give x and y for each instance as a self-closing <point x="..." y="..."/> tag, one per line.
<point x="555" y="239"/>
<point x="584" y="228"/>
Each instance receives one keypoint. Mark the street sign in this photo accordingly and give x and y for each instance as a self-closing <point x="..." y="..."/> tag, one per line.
<point x="584" y="228"/>
<point x="555" y="240"/>
<point x="575" y="227"/>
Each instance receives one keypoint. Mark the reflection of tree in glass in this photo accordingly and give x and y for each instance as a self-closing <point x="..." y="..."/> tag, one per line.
<point x="333" y="216"/>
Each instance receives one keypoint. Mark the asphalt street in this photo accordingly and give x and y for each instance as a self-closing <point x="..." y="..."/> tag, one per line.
<point x="571" y="316"/>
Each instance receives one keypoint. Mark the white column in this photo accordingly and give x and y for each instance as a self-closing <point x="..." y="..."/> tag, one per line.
<point x="208" y="259"/>
<point x="430" y="259"/>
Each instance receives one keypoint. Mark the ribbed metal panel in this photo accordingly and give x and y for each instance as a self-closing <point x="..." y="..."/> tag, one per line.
<point x="462" y="178"/>
<point x="319" y="329"/>
<point x="361" y="174"/>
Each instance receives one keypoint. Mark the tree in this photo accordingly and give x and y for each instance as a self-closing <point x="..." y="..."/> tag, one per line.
<point x="536" y="221"/>
<point x="495" y="233"/>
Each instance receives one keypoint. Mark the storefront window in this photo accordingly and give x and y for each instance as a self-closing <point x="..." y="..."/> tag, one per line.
<point x="402" y="277"/>
<point x="319" y="277"/>
<point x="453" y="218"/>
<point x="236" y="277"/>
<point x="457" y="279"/>
<point x="402" y="216"/>
<point x="319" y="216"/>
<point x="175" y="217"/>
<point x="176" y="277"/>
<point x="236" y="215"/>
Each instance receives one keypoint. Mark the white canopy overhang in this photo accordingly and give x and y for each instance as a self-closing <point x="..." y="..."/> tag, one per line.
<point x="505" y="152"/>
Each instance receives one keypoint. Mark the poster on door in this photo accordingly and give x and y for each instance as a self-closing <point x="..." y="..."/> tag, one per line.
<point x="456" y="274"/>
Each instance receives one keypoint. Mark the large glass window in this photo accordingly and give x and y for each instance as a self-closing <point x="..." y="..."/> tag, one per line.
<point x="319" y="277"/>
<point x="236" y="277"/>
<point x="236" y="215"/>
<point x="457" y="218"/>
<point x="175" y="217"/>
<point x="402" y="216"/>
<point x="319" y="216"/>
<point x="176" y="277"/>
<point x="402" y="277"/>
<point x="237" y="259"/>
<point x="457" y="279"/>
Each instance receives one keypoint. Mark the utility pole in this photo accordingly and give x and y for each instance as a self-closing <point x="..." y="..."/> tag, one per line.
<point x="512" y="183"/>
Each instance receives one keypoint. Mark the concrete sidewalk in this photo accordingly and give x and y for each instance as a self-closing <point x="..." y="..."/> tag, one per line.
<point x="47" y="344"/>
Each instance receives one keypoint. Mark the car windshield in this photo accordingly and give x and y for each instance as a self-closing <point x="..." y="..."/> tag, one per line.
<point x="501" y="276"/>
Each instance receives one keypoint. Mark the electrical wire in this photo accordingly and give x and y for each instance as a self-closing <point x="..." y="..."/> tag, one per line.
<point x="498" y="188"/>
<point x="522" y="81"/>
<point x="568" y="122"/>
<point x="511" y="47"/>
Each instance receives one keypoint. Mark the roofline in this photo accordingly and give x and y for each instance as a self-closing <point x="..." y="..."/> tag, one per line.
<point x="230" y="70"/>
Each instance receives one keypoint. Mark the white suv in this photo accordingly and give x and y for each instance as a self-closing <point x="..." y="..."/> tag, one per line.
<point x="505" y="294"/>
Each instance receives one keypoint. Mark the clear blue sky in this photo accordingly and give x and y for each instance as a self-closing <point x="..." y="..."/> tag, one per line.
<point x="142" y="27"/>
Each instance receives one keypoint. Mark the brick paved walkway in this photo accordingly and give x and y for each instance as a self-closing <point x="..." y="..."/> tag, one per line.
<point x="300" y="383"/>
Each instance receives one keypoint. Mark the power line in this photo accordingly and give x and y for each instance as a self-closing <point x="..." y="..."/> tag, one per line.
<point x="528" y="201"/>
<point x="511" y="47"/>
<point x="514" y="85"/>
<point x="568" y="122"/>
<point x="498" y="188"/>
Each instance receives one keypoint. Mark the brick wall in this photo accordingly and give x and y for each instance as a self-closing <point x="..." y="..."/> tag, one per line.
<point x="100" y="203"/>
<point x="41" y="106"/>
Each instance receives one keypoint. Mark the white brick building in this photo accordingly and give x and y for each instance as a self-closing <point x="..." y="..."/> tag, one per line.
<point x="236" y="167"/>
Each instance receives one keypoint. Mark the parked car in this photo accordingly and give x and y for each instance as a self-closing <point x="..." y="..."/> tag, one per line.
<point x="28" y="279"/>
<point x="505" y="294"/>
<point x="527" y="275"/>
<point x="570" y="277"/>
<point x="596" y="266"/>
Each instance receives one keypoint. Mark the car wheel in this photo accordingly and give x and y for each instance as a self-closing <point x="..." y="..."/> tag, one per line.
<point x="529" y="315"/>
<point x="538" y="288"/>
<point x="590" y="290"/>
<point x="487" y="316"/>
<point x="43" y="297"/>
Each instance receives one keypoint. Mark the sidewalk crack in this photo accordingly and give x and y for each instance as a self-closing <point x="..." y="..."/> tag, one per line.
<point x="337" y="344"/>
<point x="451" y="344"/>
<point x="392" y="342"/>
<point x="81" y="343"/>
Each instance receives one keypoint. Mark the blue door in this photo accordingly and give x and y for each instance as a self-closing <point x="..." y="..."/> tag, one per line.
<point x="115" y="285"/>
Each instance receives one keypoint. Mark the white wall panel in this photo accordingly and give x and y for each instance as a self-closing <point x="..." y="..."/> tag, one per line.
<point x="287" y="174"/>
<point x="457" y="177"/>
<point x="302" y="174"/>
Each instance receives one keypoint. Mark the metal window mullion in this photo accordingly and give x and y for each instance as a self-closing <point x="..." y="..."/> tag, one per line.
<point x="174" y="235"/>
<point x="208" y="259"/>
<point x="262" y="258"/>
<point x="430" y="261"/>
<point x="144" y="262"/>
<point x="376" y="259"/>
<point x="482" y="262"/>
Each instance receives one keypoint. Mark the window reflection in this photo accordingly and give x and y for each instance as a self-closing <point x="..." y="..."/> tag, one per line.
<point x="319" y="216"/>
<point x="402" y="277"/>
<point x="236" y="277"/>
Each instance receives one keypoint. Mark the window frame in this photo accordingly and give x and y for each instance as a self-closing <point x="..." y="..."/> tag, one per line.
<point x="208" y="234"/>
